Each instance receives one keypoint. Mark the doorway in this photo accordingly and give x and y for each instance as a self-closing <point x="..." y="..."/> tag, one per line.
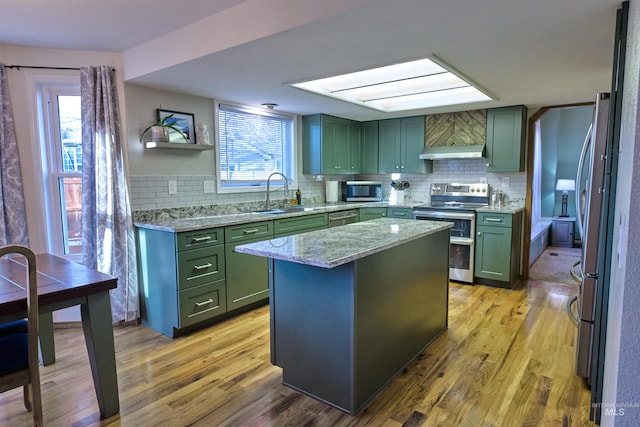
<point x="556" y="136"/>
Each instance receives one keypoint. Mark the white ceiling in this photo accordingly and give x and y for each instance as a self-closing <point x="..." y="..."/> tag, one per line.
<point x="532" y="52"/>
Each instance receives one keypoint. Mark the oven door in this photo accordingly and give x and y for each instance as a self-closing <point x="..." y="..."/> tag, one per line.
<point x="464" y="223"/>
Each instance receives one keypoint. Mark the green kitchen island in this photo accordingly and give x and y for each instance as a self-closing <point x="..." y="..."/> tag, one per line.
<point x="351" y="306"/>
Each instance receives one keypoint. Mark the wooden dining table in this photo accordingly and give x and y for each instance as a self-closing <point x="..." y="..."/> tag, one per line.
<point x="62" y="284"/>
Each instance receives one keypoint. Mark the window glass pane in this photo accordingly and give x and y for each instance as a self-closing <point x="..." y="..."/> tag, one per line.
<point x="71" y="208"/>
<point x="253" y="145"/>
<point x="70" y="133"/>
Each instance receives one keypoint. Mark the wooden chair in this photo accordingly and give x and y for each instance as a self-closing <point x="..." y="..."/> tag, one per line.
<point x="19" y="364"/>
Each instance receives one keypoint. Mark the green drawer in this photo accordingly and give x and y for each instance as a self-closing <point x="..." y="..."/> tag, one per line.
<point x="199" y="266"/>
<point x="238" y="233"/>
<point x="300" y="224"/>
<point x="202" y="302"/>
<point x="200" y="238"/>
<point x="406" y="213"/>
<point x="494" y="219"/>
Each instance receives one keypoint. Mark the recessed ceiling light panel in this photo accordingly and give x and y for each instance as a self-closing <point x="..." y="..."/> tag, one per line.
<point x="411" y="85"/>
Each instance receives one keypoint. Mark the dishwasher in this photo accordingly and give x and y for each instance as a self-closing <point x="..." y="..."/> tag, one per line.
<point x="343" y="217"/>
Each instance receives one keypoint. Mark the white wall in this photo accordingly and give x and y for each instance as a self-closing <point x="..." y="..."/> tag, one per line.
<point x="622" y="370"/>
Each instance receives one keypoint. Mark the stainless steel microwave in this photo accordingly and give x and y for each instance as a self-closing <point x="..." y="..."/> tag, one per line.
<point x="361" y="191"/>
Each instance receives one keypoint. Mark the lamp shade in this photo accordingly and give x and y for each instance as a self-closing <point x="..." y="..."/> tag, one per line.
<point x="566" y="185"/>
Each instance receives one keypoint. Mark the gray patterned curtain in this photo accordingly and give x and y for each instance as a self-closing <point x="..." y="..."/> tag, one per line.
<point x="13" y="216"/>
<point x="107" y="229"/>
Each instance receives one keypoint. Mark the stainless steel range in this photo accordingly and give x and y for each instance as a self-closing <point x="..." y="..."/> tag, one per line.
<point x="457" y="203"/>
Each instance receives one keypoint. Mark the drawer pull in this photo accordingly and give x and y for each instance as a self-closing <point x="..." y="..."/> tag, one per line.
<point x="493" y="219"/>
<point x="207" y="302"/>
<point x="251" y="231"/>
<point x="201" y="239"/>
<point x="202" y="267"/>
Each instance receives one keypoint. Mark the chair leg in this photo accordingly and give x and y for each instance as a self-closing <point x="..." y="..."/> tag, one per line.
<point x="27" y="397"/>
<point x="37" y="403"/>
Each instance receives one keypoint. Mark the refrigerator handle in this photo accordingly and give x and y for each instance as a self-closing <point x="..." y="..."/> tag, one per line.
<point x="578" y="194"/>
<point x="577" y="277"/>
<point x="572" y="316"/>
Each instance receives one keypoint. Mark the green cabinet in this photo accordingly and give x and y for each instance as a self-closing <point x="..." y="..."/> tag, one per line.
<point x="365" y="214"/>
<point x="181" y="277"/>
<point x="300" y="224"/>
<point x="506" y="139"/>
<point x="395" y="212"/>
<point x="247" y="275"/>
<point x="498" y="248"/>
<point x="369" y="147"/>
<point x="330" y="145"/>
<point x="400" y="142"/>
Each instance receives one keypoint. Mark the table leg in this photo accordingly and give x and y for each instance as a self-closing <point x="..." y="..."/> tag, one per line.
<point x="45" y="335"/>
<point x="98" y="334"/>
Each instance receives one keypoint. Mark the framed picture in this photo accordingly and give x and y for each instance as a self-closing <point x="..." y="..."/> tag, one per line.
<point x="183" y="121"/>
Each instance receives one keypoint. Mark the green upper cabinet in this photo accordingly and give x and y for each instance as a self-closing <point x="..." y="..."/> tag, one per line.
<point x="506" y="133"/>
<point x="369" y="147"/>
<point x="400" y="142"/>
<point x="330" y="145"/>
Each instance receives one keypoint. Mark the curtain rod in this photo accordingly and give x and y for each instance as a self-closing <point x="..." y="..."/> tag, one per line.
<point x="17" y="67"/>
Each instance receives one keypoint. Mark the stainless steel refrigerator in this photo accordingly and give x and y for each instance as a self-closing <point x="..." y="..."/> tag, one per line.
<point x="590" y="183"/>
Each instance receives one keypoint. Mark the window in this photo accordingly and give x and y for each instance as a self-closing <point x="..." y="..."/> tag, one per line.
<point x="60" y="119"/>
<point x="252" y="144"/>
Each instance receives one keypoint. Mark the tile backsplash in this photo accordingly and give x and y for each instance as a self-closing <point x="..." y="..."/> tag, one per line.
<point x="151" y="192"/>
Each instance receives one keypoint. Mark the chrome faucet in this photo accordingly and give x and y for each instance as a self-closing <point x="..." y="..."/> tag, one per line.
<point x="286" y="189"/>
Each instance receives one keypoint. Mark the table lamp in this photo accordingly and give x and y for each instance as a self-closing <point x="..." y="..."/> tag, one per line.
<point x="565" y="185"/>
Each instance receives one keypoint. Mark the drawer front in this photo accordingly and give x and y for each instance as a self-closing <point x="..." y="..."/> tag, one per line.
<point x="200" y="238"/>
<point x="495" y="219"/>
<point x="300" y="224"/>
<point x="202" y="302"/>
<point x="199" y="266"/>
<point x="406" y="213"/>
<point x="239" y="233"/>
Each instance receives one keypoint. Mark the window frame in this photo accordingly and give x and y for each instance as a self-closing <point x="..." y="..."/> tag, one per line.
<point x="52" y="164"/>
<point x="261" y="184"/>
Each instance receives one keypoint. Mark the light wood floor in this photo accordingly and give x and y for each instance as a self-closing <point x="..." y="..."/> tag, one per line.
<point x="506" y="360"/>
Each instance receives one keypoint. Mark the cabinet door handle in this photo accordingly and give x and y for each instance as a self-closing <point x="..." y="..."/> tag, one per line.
<point x="202" y="267"/>
<point x="488" y="164"/>
<point x="201" y="239"/>
<point x="493" y="219"/>
<point x="251" y="231"/>
<point x="207" y="302"/>
<point x="479" y="233"/>
<point x="400" y="214"/>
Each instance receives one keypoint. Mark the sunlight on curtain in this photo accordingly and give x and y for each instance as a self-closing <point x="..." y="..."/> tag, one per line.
<point x="107" y="228"/>
<point x="13" y="215"/>
<point x="536" y="204"/>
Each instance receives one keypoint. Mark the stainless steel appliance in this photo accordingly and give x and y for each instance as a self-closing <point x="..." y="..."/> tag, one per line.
<point x="457" y="203"/>
<point x="343" y="217"/>
<point x="591" y="187"/>
<point x="361" y="191"/>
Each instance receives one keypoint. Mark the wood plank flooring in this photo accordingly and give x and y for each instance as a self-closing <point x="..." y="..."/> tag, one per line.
<point x="507" y="359"/>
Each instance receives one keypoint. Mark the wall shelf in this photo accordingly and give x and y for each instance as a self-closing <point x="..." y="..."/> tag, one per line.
<point x="177" y="146"/>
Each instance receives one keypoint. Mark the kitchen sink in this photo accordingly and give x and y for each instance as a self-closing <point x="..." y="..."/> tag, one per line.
<point x="282" y="210"/>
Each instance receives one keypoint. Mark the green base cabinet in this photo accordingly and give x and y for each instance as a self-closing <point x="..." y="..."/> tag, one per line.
<point x="247" y="276"/>
<point x="498" y="249"/>
<point x="365" y="214"/>
<point x="506" y="139"/>
<point x="400" y="142"/>
<point x="182" y="278"/>
<point x="300" y="224"/>
<point x="404" y="213"/>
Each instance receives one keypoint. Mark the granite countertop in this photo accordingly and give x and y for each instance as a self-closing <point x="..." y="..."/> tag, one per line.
<point x="212" y="221"/>
<point x="508" y="208"/>
<point x="340" y="245"/>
